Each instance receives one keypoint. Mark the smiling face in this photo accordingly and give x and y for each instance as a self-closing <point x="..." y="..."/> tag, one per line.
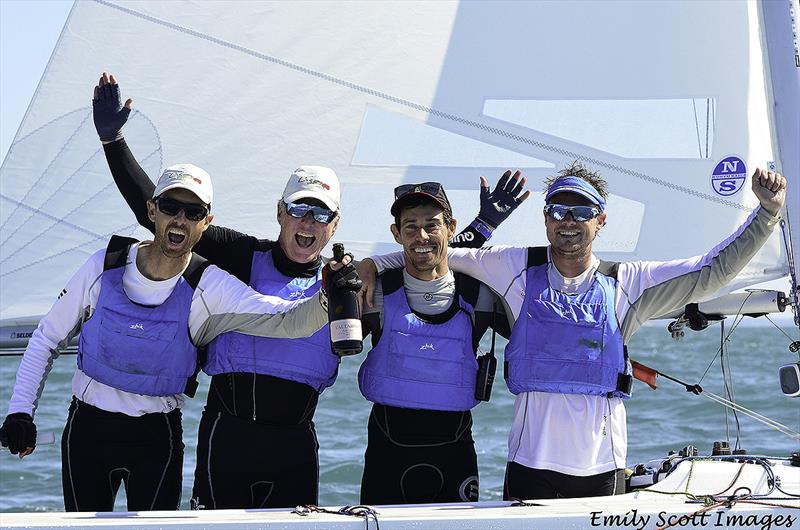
<point x="570" y="239"/>
<point x="424" y="236"/>
<point x="175" y="235"/>
<point x="302" y="240"/>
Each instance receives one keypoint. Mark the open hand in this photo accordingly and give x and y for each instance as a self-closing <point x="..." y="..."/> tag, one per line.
<point x="108" y="112"/>
<point x="498" y="204"/>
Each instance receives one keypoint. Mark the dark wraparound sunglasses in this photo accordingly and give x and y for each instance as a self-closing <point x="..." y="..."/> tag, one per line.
<point x="171" y="207"/>
<point x="300" y="210"/>
<point x="431" y="188"/>
<point x="579" y="213"/>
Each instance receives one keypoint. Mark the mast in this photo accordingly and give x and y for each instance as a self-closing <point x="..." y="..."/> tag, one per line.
<point x="783" y="79"/>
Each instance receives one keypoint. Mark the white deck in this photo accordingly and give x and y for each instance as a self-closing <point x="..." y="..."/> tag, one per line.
<point x="644" y="509"/>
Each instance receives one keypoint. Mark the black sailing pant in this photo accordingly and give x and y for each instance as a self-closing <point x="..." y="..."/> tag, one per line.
<point x="244" y="464"/>
<point x="101" y="449"/>
<point x="528" y="483"/>
<point x="419" y="456"/>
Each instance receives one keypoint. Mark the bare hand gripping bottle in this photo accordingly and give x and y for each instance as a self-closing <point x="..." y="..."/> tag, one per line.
<point x="343" y="311"/>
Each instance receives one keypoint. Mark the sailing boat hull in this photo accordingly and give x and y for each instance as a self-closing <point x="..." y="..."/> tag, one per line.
<point x="677" y="500"/>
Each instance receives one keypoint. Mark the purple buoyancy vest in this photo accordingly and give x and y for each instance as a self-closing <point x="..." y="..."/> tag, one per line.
<point x="136" y="348"/>
<point x="567" y="344"/>
<point x="417" y="364"/>
<point x="308" y="360"/>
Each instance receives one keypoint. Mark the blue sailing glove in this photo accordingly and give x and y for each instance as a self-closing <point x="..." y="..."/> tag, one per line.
<point x="18" y="432"/>
<point x="109" y="113"/>
<point x="498" y="204"/>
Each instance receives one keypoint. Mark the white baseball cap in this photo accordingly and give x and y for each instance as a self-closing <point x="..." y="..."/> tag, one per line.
<point x="188" y="177"/>
<point x="314" y="182"/>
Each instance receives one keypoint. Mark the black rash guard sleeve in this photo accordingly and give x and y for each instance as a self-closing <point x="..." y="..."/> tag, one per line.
<point x="468" y="238"/>
<point x="131" y="180"/>
<point x="228" y="249"/>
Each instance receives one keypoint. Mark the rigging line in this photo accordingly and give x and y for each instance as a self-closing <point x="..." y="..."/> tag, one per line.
<point x="125" y="229"/>
<point x="786" y="231"/>
<point x="39" y="179"/>
<point x="724" y="378"/>
<point x="733" y="328"/>
<point x="778" y="327"/>
<point x="727" y="377"/>
<point x="49" y="216"/>
<point x="752" y="414"/>
<point x="44" y="230"/>
<point x="697" y="127"/>
<point x="423" y="108"/>
<point x="708" y="117"/>
<point x="31" y="216"/>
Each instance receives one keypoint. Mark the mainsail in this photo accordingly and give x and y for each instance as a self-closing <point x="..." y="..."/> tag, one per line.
<point x="672" y="101"/>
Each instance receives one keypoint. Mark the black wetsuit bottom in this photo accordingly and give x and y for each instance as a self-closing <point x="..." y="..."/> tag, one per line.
<point x="528" y="483"/>
<point x="100" y="450"/>
<point x="419" y="456"/>
<point x="269" y="462"/>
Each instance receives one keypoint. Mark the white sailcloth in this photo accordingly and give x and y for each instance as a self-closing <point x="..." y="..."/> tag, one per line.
<point x="671" y="101"/>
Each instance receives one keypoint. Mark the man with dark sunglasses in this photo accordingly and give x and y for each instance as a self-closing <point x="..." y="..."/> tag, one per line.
<point x="145" y="312"/>
<point x="262" y="390"/>
<point x="567" y="360"/>
<point x="421" y="374"/>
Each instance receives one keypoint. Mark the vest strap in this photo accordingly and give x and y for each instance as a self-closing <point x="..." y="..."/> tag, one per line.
<point x="608" y="268"/>
<point x="117" y="252"/>
<point x="194" y="271"/>
<point x="537" y="256"/>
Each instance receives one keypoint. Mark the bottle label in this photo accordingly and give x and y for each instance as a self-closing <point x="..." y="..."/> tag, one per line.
<point x="346" y="329"/>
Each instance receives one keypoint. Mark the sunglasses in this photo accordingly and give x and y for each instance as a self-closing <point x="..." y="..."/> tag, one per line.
<point x="171" y="207"/>
<point x="431" y="188"/>
<point x="320" y="214"/>
<point x="579" y="213"/>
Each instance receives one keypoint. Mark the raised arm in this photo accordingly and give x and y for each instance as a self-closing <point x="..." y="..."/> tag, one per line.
<point x="109" y="117"/>
<point x="222" y="246"/>
<point x="654" y="288"/>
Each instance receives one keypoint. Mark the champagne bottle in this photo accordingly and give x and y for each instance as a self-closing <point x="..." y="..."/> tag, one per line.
<point x="344" y="315"/>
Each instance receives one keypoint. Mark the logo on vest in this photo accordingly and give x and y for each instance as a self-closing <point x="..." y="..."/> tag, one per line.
<point x="427" y="346"/>
<point x="297" y="294"/>
<point x="137" y="326"/>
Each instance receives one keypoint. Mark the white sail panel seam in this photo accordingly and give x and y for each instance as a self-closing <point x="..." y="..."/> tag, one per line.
<point x="423" y="108"/>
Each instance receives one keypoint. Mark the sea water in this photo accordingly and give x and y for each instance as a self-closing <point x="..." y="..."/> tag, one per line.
<point x="658" y="421"/>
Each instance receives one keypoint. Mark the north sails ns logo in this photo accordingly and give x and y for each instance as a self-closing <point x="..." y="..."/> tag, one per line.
<point x="427" y="346"/>
<point x="137" y="326"/>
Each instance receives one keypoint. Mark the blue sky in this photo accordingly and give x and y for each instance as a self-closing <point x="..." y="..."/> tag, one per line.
<point x="29" y="30"/>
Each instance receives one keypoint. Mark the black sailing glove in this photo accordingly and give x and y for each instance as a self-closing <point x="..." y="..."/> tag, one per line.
<point x="498" y="204"/>
<point x="345" y="278"/>
<point x="109" y="113"/>
<point x="18" y="432"/>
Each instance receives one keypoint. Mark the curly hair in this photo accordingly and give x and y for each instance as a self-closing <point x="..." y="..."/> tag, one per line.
<point x="577" y="169"/>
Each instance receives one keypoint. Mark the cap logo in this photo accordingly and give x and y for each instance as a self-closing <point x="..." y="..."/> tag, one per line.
<point x="180" y="175"/>
<point x="417" y="189"/>
<point x="313" y="182"/>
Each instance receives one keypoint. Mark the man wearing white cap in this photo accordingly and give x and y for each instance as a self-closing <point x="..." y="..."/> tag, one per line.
<point x="263" y="391"/>
<point x="145" y="312"/>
